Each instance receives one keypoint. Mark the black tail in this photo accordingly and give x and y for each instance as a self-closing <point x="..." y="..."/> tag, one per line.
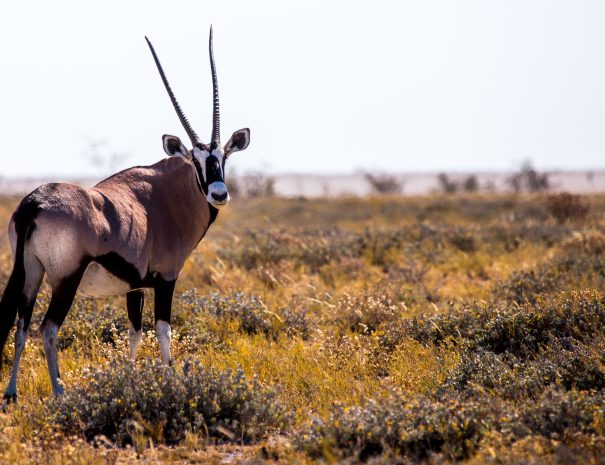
<point x="13" y="293"/>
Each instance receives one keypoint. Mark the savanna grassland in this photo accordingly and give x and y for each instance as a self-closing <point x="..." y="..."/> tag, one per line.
<point x="384" y="330"/>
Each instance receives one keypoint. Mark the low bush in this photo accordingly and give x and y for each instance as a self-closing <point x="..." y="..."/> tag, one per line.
<point x="442" y="427"/>
<point x="365" y="312"/>
<point x="558" y="413"/>
<point x="415" y="427"/>
<point x="90" y="322"/>
<point x="248" y="311"/>
<point x="567" y="207"/>
<point x="164" y="403"/>
<point x="513" y="329"/>
<point x="568" y="365"/>
<point x="463" y="241"/>
<point x="585" y="268"/>
<point x="527" y="286"/>
<point x="589" y="243"/>
<point x="296" y="322"/>
<point x="579" y="262"/>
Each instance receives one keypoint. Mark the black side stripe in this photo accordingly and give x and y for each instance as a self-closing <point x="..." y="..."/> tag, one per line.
<point x="198" y="181"/>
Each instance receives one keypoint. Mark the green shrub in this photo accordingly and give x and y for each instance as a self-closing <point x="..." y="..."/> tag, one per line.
<point x="364" y="313"/>
<point x="447" y="426"/>
<point x="119" y="401"/>
<point x="296" y="322"/>
<point x="527" y="286"/>
<point x="558" y="413"/>
<point x="565" y="271"/>
<point x="414" y="427"/>
<point x="513" y="329"/>
<point x="583" y="268"/>
<point x="463" y="241"/>
<point x="519" y="378"/>
<point x="591" y="242"/>
<point x="248" y="311"/>
<point x="90" y="322"/>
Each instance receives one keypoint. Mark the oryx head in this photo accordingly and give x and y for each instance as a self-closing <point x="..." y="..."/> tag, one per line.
<point x="208" y="159"/>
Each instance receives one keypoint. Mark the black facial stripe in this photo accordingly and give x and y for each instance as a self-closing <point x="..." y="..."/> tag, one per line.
<point x="213" y="170"/>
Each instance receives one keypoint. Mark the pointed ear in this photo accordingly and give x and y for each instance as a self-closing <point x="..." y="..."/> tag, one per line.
<point x="239" y="141"/>
<point x="173" y="146"/>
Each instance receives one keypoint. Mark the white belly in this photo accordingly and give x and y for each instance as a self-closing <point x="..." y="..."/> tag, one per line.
<point x="98" y="282"/>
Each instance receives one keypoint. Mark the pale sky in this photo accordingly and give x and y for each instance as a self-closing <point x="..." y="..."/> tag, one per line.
<point x="325" y="86"/>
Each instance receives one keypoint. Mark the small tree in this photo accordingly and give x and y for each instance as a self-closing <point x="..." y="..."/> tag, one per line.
<point x="470" y="184"/>
<point x="446" y="185"/>
<point x="528" y="179"/>
<point x="383" y="184"/>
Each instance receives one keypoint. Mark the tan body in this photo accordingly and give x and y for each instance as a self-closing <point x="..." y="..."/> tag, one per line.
<point x="153" y="217"/>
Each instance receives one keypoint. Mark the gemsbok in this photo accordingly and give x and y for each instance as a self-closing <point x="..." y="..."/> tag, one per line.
<point x="133" y="230"/>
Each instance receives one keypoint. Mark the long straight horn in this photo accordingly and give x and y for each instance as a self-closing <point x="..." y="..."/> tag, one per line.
<point x="190" y="132"/>
<point x="216" y="114"/>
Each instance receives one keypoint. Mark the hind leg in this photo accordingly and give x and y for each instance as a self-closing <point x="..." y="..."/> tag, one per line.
<point x="60" y="303"/>
<point x="163" y="291"/>
<point x="134" y="304"/>
<point x="8" y="308"/>
<point x="27" y="300"/>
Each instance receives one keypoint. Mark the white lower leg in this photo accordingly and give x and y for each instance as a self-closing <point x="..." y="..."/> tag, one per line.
<point x="162" y="332"/>
<point x="20" y="339"/>
<point x="134" y="339"/>
<point x="49" y="339"/>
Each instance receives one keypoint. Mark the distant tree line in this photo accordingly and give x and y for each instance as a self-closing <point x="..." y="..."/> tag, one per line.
<point x="526" y="179"/>
<point x="449" y="186"/>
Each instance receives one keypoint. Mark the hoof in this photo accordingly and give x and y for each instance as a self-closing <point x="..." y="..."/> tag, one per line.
<point x="10" y="397"/>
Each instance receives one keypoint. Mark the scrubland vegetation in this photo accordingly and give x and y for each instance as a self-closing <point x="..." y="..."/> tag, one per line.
<point x="440" y="329"/>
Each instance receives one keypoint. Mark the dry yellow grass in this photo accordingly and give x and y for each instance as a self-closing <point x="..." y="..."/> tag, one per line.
<point x="408" y="251"/>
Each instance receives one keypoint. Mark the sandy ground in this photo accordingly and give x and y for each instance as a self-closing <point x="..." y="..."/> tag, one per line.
<point x="312" y="185"/>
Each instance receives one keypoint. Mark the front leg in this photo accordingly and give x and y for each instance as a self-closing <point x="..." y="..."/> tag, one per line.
<point x="134" y="304"/>
<point x="163" y="291"/>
